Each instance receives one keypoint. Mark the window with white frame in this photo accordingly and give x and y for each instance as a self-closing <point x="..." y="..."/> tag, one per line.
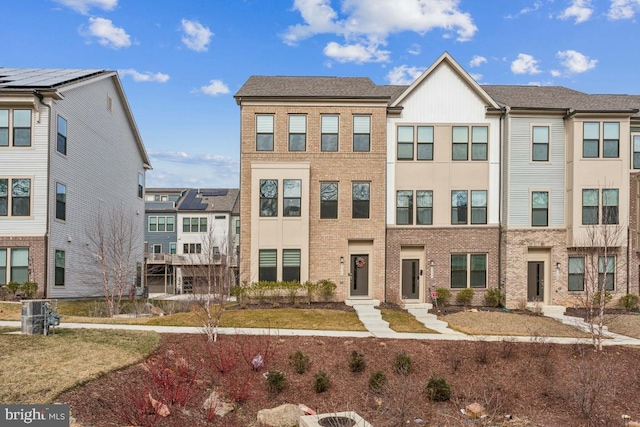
<point x="59" y="267"/>
<point x="459" y="204"/>
<point x="329" y="133"/>
<point x="291" y="265"/>
<point x="264" y="132"/>
<point x="540" y="143"/>
<point x="460" y="143"/>
<point x="15" y="127"/>
<point x="61" y="201"/>
<point x="292" y="197"/>
<point x="576" y="273"/>
<point x="172" y="248"/>
<point x="468" y="271"/>
<point x="166" y="224"/>
<point x="424" y="207"/>
<point x="425" y="143"/>
<point x="479" y="142"/>
<point x="610" y="203"/>
<point x="478" y="207"/>
<point x="607" y="272"/>
<point x="3" y="266"/>
<point x="61" y="143"/>
<point x="297" y="132"/>
<point x="361" y="133"/>
<point x="404" y="207"/>
<point x="192" y="248"/>
<point x="267" y="265"/>
<point x="194" y="225"/>
<point x="14" y="265"/>
<point x="405" y="142"/>
<point x="636" y="151"/>
<point x="591" y="138"/>
<point x="539" y="208"/>
<point x="268" y="197"/>
<point x="591" y="205"/>
<point x="15" y="197"/>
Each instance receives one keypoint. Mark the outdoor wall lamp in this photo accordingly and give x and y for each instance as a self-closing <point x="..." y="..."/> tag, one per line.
<point x="341" y="260"/>
<point x="342" y="266"/>
<point x="557" y="270"/>
<point x="431" y="268"/>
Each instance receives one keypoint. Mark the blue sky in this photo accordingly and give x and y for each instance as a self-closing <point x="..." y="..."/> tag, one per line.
<point x="181" y="62"/>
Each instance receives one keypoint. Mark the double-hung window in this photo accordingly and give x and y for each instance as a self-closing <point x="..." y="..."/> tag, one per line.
<point x="425" y="143"/>
<point x="268" y="197"/>
<point x="140" y="185"/>
<point x="194" y="225"/>
<point x="264" y="132"/>
<point x="611" y="140"/>
<point x="292" y="197"/>
<point x="576" y="273"/>
<point x="591" y="139"/>
<point x="15" y="128"/>
<point x="329" y="131"/>
<point x="540" y="144"/>
<point x="192" y="248"/>
<point x="539" y="208"/>
<point x="479" y="142"/>
<point x="590" y="205"/>
<point x="459" y="205"/>
<point x="267" y="265"/>
<point x="61" y="201"/>
<point x="297" y="132"/>
<point x="19" y="265"/>
<point x="329" y="200"/>
<point x="360" y="199"/>
<point x="609" y="206"/>
<point x="424" y="207"/>
<point x="468" y="270"/>
<point x="15" y="197"/>
<point x="3" y="266"/>
<point x="478" y="207"/>
<point x="636" y="151"/>
<point x="460" y="143"/>
<point x="59" y="268"/>
<point x="606" y="272"/>
<point x="405" y="142"/>
<point x="291" y="265"/>
<point x="404" y="207"/>
<point x="361" y="133"/>
<point x="61" y="144"/>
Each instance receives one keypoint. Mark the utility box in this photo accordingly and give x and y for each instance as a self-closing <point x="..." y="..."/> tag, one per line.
<point x="33" y="316"/>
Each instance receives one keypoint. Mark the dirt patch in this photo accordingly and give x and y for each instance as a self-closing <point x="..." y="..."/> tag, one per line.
<point x="538" y="383"/>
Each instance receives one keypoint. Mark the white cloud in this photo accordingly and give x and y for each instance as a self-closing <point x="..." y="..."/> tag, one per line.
<point x="476" y="77"/>
<point x="215" y="87"/>
<point x="414" y="49"/>
<point x="537" y="5"/>
<point x="477" y="60"/>
<point x="623" y="9"/>
<point x="83" y="6"/>
<point x="198" y="170"/>
<point x="196" y="36"/>
<point x="108" y="35"/>
<point x="575" y="62"/>
<point x="404" y="75"/>
<point x="357" y="53"/>
<point x="581" y="10"/>
<point x="556" y="73"/>
<point x="365" y="24"/>
<point x="144" y="77"/>
<point x="525" y="64"/>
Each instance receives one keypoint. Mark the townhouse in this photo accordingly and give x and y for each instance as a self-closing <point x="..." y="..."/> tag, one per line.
<point x="69" y="151"/>
<point x="394" y="191"/>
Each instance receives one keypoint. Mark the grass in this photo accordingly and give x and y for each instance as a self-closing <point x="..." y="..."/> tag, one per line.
<point x="624" y="324"/>
<point x="42" y="367"/>
<point x="401" y="321"/>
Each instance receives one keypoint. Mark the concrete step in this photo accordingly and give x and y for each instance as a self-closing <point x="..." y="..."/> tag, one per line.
<point x="362" y="302"/>
<point x="417" y="306"/>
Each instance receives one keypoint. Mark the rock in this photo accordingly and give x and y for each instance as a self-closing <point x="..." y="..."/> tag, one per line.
<point x="306" y="409"/>
<point x="286" y="415"/>
<point x="383" y="344"/>
<point x="160" y="408"/>
<point x="475" y="410"/>
<point x="348" y="342"/>
<point x="319" y="342"/>
<point x="633" y="424"/>
<point x="257" y="362"/>
<point x="157" y="311"/>
<point x="215" y="403"/>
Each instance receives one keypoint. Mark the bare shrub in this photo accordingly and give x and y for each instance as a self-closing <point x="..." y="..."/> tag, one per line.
<point x="507" y="348"/>
<point x="592" y="386"/>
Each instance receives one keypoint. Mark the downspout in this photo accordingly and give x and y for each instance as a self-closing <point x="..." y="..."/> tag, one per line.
<point x="48" y="223"/>
<point x="628" y="256"/>
<point x="500" y="200"/>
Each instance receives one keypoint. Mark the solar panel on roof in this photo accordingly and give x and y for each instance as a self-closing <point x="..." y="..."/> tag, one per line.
<point x="210" y="192"/>
<point x="192" y="203"/>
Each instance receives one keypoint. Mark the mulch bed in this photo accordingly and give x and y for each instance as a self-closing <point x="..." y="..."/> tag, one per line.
<point x="536" y="384"/>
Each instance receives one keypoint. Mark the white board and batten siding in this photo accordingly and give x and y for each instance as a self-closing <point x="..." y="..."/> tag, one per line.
<point x="100" y="172"/>
<point x="444" y="97"/>
<point x="525" y="175"/>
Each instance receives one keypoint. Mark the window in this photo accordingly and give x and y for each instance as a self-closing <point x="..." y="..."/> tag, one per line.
<point x="3" y="266"/>
<point x="576" y="273"/>
<point x="360" y="200"/>
<point x="292" y="197"/>
<point x="405" y="142"/>
<point x="62" y="136"/>
<point x="140" y="185"/>
<point x="539" y="209"/>
<point x="194" y="225"/>
<point x="59" y="272"/>
<point x="19" y="265"/>
<point x="20" y="197"/>
<point x="458" y="207"/>
<point x="479" y="142"/>
<point x="264" y="133"/>
<point x="157" y="249"/>
<point x="477" y="277"/>
<point x="61" y="201"/>
<point x="170" y="223"/>
<point x="540" y="147"/>
<point x="4" y="128"/>
<point x="162" y="223"/>
<point x="291" y="265"/>
<point x="329" y="137"/>
<point x="297" y="133"/>
<point x="15" y="128"/>
<point x="424" y="207"/>
<point x="460" y="140"/>
<point x="590" y="140"/>
<point x="4" y="197"/>
<point x="611" y="140"/>
<point x="172" y="248"/>
<point x="267" y="265"/>
<point x="609" y="206"/>
<point x="329" y="200"/>
<point x="636" y="151"/>
<point x="268" y="197"/>
<point x="237" y="226"/>
<point x="361" y="133"/>
<point x="478" y="207"/>
<point x="606" y="272"/>
<point x="404" y="207"/>
<point x="590" y="207"/>
<point x="425" y="142"/>
<point x="192" y="248"/>
<point x="153" y="223"/>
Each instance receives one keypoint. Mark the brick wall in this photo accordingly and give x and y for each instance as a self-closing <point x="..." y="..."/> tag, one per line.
<point x="37" y="267"/>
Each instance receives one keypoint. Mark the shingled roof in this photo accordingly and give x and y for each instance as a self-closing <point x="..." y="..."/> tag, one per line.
<point x="42" y="78"/>
<point x="221" y="200"/>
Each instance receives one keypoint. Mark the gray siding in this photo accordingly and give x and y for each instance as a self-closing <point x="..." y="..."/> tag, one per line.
<point x="100" y="171"/>
<point x="160" y="237"/>
<point x="525" y="176"/>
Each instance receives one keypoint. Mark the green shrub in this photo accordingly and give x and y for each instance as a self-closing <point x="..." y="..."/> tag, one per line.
<point x="311" y="288"/>
<point x="29" y="290"/>
<point x="13" y="287"/>
<point x="465" y="296"/>
<point x="377" y="382"/>
<point x="629" y="302"/>
<point x="357" y="362"/>
<point x="322" y="382"/>
<point x="291" y="289"/>
<point x="402" y="364"/>
<point x="299" y="362"/>
<point x="276" y="381"/>
<point x="494" y="297"/>
<point x="326" y="289"/>
<point x="596" y="298"/>
<point x="240" y="292"/>
<point x="444" y="295"/>
<point x="438" y="389"/>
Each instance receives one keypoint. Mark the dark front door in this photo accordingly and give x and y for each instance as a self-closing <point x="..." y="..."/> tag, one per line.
<point x="359" y="275"/>
<point x="410" y="278"/>
<point x="535" y="281"/>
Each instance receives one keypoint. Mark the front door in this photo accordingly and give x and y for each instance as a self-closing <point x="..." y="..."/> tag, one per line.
<point x="535" y="281"/>
<point x="410" y="278"/>
<point x="359" y="275"/>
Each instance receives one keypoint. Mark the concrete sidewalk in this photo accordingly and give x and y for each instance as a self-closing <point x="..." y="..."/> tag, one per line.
<point x="615" y="340"/>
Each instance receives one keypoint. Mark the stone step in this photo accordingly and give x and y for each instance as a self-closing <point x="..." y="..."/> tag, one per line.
<point x="417" y="306"/>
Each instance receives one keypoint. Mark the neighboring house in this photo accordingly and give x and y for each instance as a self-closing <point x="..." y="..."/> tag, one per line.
<point x="312" y="181"/>
<point x="69" y="150"/>
<point x="478" y="186"/>
<point x="188" y="231"/>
